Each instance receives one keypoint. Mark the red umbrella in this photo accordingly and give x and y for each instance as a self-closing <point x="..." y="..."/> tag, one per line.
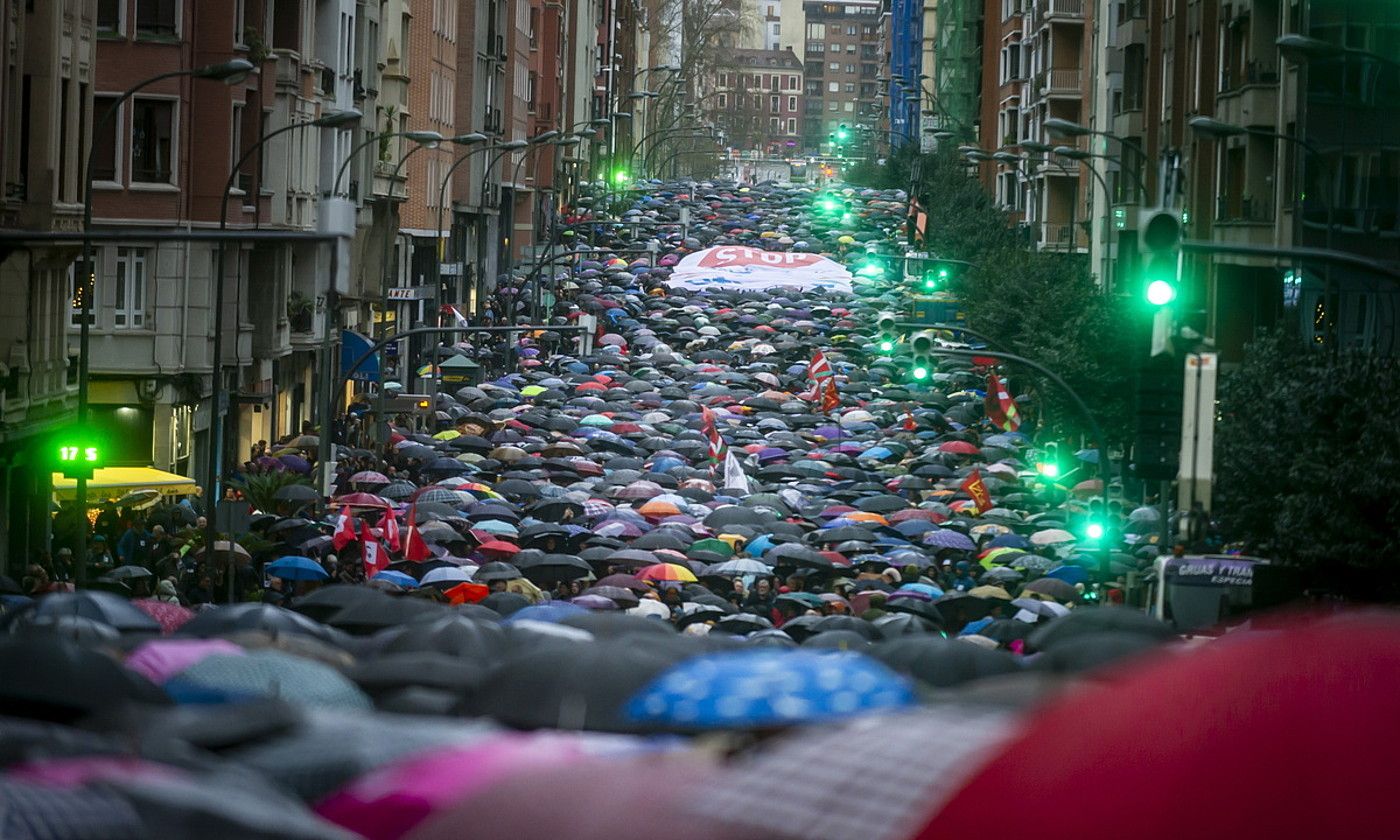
<point x="169" y="616"/>
<point x="500" y="546"/>
<point x="958" y="447"/>
<point x="1295" y="730"/>
<point x="362" y="500"/>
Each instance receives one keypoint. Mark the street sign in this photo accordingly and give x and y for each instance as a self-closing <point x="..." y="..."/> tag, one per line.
<point x="410" y="292"/>
<point x="452" y="269"/>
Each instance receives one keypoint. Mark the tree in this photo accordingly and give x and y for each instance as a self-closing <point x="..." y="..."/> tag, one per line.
<point x="1308" y="460"/>
<point x="1043" y="306"/>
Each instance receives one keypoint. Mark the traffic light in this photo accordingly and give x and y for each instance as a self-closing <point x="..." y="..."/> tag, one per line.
<point x="620" y="176"/>
<point x="1095" y="530"/>
<point x="1160" y="239"/>
<point x="1157" y="445"/>
<point x="886" y="327"/>
<point x="842" y="133"/>
<point x="830" y="204"/>
<point x="935" y="278"/>
<point x="76" y="455"/>
<point x="921" y="347"/>
<point x="1051" y="464"/>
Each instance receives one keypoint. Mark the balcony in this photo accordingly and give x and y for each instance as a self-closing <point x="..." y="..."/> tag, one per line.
<point x="1062" y="237"/>
<point x="1070" y="11"/>
<point x="1250" y="99"/>
<point x="1246" y="210"/>
<point x="1059" y="83"/>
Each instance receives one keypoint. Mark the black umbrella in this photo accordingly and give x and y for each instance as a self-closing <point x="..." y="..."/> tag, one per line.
<point x="56" y="680"/>
<point x="325" y="602"/>
<point x="233" y="618"/>
<point x="549" y="570"/>
<point x="943" y="663"/>
<point x="570" y="685"/>
<point x="296" y="493"/>
<point x="451" y="634"/>
<point x="104" y="607"/>
<point x="1094" y="620"/>
<point x="364" y="618"/>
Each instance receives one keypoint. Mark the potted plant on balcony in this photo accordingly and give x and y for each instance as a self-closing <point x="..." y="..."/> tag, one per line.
<point x="299" y="312"/>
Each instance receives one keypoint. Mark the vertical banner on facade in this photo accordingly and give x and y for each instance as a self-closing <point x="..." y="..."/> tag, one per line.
<point x="1198" y="429"/>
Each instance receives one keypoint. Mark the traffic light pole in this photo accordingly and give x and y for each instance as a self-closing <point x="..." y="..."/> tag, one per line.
<point x="1094" y="428"/>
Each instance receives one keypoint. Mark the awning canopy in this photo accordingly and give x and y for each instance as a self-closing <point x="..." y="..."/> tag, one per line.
<point x="114" y="482"/>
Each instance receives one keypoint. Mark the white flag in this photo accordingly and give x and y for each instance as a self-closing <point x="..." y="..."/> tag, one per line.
<point x="734" y="478"/>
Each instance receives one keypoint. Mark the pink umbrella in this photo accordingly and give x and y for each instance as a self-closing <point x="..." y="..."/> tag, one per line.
<point x="169" y="616"/>
<point x="161" y="659"/>
<point x="390" y="801"/>
<point x="600" y="799"/>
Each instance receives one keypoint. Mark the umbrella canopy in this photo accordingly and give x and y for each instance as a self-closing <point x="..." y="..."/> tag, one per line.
<point x="763" y="688"/>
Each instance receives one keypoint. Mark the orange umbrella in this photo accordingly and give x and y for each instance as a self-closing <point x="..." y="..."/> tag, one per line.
<point x="657" y="508"/>
<point x="667" y="571"/>
<point x="865" y="516"/>
<point x="467" y="593"/>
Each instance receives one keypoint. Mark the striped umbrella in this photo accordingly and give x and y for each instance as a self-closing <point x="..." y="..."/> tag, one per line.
<point x="667" y="572"/>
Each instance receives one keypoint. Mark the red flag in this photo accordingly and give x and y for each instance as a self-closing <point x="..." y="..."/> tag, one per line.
<point x="389" y="527"/>
<point x="718" y="448"/>
<point x="1001" y="408"/>
<point x="974" y="487"/>
<point x="818" y="371"/>
<point x="449" y="309"/>
<point x="344" y="529"/>
<point x="831" y="398"/>
<point x="910" y="424"/>
<point x="413" y="546"/>
<point x="376" y="559"/>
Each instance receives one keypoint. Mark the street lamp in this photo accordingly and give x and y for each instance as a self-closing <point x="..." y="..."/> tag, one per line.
<point x="214" y="455"/>
<point x="230" y="73"/>
<point x="1067" y="128"/>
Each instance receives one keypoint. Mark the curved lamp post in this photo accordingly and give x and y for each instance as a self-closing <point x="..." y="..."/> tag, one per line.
<point x="335" y="119"/>
<point x="230" y="73"/>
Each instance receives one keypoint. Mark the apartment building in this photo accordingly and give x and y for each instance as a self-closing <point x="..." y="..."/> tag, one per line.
<point x="842" y="68"/>
<point x="47" y="63"/>
<point x="755" y="98"/>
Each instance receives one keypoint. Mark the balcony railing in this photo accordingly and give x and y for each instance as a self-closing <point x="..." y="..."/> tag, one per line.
<point x="1063" y="80"/>
<point x="1060" y="236"/>
<point x="1064" y="9"/>
<point x="1255" y="73"/>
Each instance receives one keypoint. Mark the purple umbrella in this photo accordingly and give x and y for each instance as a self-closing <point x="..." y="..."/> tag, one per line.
<point x="948" y="538"/>
<point x="617" y="528"/>
<point x="594" y="602"/>
<point x="295" y="463"/>
<point x="267" y="462"/>
<point x="769" y="454"/>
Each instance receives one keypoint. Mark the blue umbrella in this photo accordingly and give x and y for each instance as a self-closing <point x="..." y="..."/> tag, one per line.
<point x="914" y="527"/>
<point x="1088" y="456"/>
<point x="948" y="538"/>
<point x="1069" y="574"/>
<point x="296" y="568"/>
<point x="223" y="678"/>
<point x="552" y="613"/>
<point x="1011" y="541"/>
<point x="397" y="578"/>
<point x="763" y="687"/>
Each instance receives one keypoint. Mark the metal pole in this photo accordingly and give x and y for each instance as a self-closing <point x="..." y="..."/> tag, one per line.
<point x="381" y="424"/>
<point x="89" y="289"/>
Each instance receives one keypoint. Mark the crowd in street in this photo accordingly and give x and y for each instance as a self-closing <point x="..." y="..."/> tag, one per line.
<point x="719" y="571"/>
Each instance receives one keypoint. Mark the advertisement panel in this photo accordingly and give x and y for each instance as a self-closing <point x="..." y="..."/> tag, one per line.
<point x="737" y="268"/>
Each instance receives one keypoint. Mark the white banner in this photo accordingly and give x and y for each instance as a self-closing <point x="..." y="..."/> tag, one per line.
<point x="739" y="268"/>
<point x="734" y="477"/>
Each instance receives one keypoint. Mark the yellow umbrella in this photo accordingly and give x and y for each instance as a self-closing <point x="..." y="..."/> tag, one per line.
<point x="449" y="434"/>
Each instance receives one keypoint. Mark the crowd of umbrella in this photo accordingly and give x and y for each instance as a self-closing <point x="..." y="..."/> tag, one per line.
<point x="525" y="679"/>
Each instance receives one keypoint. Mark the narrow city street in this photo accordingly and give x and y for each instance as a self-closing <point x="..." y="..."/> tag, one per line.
<point x="702" y="419"/>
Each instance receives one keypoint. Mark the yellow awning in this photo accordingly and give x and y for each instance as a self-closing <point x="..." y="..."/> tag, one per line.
<point x="114" y="482"/>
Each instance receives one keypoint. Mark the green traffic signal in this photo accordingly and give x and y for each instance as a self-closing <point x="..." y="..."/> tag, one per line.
<point x="920" y="373"/>
<point x="887" y="346"/>
<point x="1049" y="469"/>
<point x="76" y="455"/>
<point x="1160" y="292"/>
<point x="1094" y="531"/>
<point x="621" y="176"/>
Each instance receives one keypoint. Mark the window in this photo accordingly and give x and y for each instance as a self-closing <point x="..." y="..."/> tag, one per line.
<point x="835" y="66"/>
<point x="152" y="141"/>
<point x="773" y="103"/>
<point x="155" y="17"/>
<point x="791" y="126"/>
<point x="240" y="21"/>
<point x="832" y="106"/>
<point x="76" y="293"/>
<point x="833" y="87"/>
<point x="723" y="101"/>
<point x="850" y="68"/>
<point x="850" y="106"/>
<point x="130" y="288"/>
<point x="851" y="30"/>
<point x="1010" y="63"/>
<point x="772" y="125"/>
<point x="109" y="15"/>
<point x="236" y="142"/>
<point x="816" y="32"/>
<point x="849" y="87"/>
<point x="772" y="82"/>
<point x="104" y="140"/>
<point x="792" y="103"/>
